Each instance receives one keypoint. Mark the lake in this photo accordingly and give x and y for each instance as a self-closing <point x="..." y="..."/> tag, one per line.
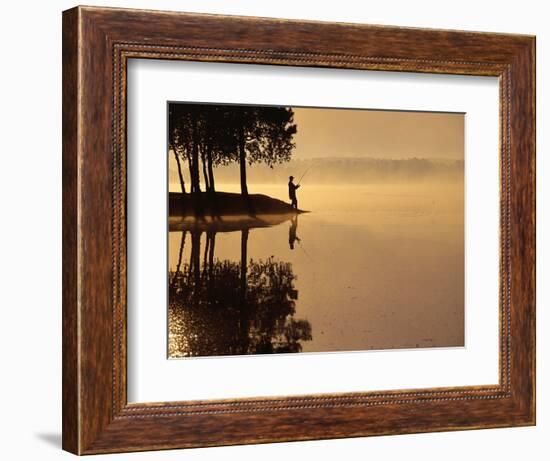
<point x="378" y="266"/>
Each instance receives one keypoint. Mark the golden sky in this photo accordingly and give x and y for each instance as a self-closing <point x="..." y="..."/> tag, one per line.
<point x="379" y="134"/>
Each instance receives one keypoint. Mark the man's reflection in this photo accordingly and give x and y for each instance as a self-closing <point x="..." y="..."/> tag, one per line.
<point x="292" y="237"/>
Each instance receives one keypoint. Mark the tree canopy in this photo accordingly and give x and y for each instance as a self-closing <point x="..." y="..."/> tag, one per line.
<point x="213" y="134"/>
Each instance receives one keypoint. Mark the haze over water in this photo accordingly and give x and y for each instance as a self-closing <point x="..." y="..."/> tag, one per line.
<point x="377" y="266"/>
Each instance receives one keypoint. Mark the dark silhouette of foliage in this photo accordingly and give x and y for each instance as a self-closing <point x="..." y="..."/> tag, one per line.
<point x="214" y="135"/>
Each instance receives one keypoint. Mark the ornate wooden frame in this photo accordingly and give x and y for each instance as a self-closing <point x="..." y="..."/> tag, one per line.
<point x="97" y="43"/>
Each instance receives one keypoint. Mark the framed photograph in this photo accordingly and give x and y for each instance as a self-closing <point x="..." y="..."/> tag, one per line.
<point x="281" y="230"/>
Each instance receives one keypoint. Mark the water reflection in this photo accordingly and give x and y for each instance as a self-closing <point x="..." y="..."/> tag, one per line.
<point x="228" y="307"/>
<point x="376" y="267"/>
<point x="292" y="237"/>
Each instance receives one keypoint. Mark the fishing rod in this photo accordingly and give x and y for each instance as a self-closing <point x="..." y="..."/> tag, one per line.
<point x="305" y="172"/>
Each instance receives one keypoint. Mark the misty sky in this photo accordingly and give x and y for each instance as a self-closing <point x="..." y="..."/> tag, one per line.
<point x="380" y="134"/>
<point x="365" y="133"/>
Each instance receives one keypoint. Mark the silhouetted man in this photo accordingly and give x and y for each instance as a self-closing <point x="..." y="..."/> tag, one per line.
<point x="292" y="192"/>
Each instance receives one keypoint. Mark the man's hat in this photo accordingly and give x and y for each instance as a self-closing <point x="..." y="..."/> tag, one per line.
<point x="291" y="177"/>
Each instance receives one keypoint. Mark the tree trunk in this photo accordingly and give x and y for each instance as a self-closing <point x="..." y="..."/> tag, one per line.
<point x="204" y="173"/>
<point x="190" y="165"/>
<point x="242" y="164"/>
<point x="180" y="174"/>
<point x="211" y="172"/>
<point x="196" y="175"/>
<point x="195" y="153"/>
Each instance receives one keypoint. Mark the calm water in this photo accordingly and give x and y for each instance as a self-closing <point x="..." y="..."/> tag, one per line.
<point x="370" y="267"/>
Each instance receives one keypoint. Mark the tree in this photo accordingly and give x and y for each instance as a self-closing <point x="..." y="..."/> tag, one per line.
<point x="183" y="140"/>
<point x="217" y="139"/>
<point x="175" y="145"/>
<point x="264" y="134"/>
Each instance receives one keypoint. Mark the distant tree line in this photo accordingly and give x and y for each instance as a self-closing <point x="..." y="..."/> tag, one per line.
<point x="350" y="170"/>
<point x="204" y="136"/>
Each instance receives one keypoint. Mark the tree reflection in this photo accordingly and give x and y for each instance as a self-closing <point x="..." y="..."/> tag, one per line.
<point x="223" y="307"/>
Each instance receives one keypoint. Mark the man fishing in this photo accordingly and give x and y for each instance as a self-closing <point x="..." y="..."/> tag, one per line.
<point x="292" y="192"/>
